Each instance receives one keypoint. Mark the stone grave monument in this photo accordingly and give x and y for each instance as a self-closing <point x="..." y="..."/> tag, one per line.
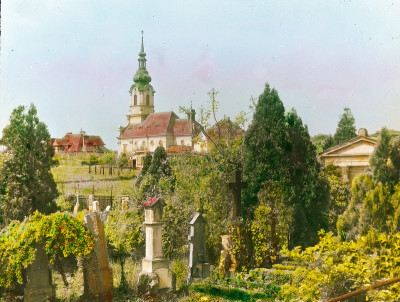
<point x="124" y="203"/>
<point x="38" y="286"/>
<point x="154" y="265"/>
<point x="97" y="274"/>
<point x="95" y="206"/>
<point x="90" y="203"/>
<point x="198" y="265"/>
<point x="76" y="208"/>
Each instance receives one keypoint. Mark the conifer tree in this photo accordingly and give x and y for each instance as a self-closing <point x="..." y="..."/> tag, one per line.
<point x="29" y="184"/>
<point x="346" y="129"/>
<point x="386" y="160"/>
<point x="278" y="148"/>
<point x="266" y="145"/>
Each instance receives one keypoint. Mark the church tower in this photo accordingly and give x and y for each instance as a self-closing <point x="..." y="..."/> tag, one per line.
<point x="141" y="92"/>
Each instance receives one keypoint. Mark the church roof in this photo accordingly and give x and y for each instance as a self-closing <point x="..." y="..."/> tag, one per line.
<point x="159" y="124"/>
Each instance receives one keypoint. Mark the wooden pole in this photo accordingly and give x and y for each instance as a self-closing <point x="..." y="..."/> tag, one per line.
<point x="365" y="289"/>
<point x="111" y="197"/>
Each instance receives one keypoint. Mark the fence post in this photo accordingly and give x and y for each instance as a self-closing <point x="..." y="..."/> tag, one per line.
<point x="111" y="198"/>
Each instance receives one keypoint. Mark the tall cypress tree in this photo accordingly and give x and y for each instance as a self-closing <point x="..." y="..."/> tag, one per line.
<point x="266" y="145"/>
<point x="346" y="129"/>
<point x="29" y="184"/>
<point x="278" y="148"/>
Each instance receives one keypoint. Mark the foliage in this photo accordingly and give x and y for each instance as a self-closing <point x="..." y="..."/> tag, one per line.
<point x="346" y="128"/>
<point x="278" y="148"/>
<point x="159" y="164"/>
<point x="271" y="225"/>
<point x="28" y="182"/>
<point x="339" y="195"/>
<point x="122" y="160"/>
<point x="146" y="163"/>
<point x="196" y="183"/>
<point x="181" y="271"/>
<point x="386" y="160"/>
<point x="332" y="268"/>
<point x="240" y="236"/>
<point x="235" y="294"/>
<point x="329" y="142"/>
<point x="319" y="141"/>
<point x="124" y="235"/>
<point x="60" y="234"/>
<point x="93" y="159"/>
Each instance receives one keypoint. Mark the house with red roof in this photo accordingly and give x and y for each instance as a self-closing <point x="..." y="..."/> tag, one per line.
<point x="73" y="143"/>
<point x="147" y="129"/>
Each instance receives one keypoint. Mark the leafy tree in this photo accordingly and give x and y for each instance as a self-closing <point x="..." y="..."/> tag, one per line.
<point x="28" y="182"/>
<point x="159" y="164"/>
<point x="60" y="234"/>
<point x="339" y="195"/>
<point x="346" y="129"/>
<point x="123" y="160"/>
<point x="333" y="268"/>
<point x="271" y="225"/>
<point x="124" y="236"/>
<point x="386" y="160"/>
<point x="329" y="142"/>
<point x="93" y="159"/>
<point x="146" y="163"/>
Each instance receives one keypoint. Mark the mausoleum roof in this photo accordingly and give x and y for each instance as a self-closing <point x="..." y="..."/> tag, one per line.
<point x="152" y="201"/>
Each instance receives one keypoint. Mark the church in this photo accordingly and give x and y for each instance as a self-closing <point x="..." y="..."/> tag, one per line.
<point x="147" y="129"/>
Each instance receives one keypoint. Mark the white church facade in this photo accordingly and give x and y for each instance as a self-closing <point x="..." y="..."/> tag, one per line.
<point x="147" y="129"/>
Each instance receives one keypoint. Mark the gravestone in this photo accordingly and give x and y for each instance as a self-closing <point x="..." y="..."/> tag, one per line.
<point x="154" y="265"/>
<point x="227" y="264"/>
<point x="90" y="203"/>
<point x="76" y="208"/>
<point x="97" y="274"/>
<point x="38" y="286"/>
<point x="124" y="203"/>
<point x="95" y="206"/>
<point x="198" y="265"/>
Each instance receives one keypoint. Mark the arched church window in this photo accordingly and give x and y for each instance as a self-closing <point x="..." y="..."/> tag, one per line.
<point x="147" y="100"/>
<point x="135" y="100"/>
<point x="152" y="143"/>
<point x="160" y="143"/>
<point x="182" y="142"/>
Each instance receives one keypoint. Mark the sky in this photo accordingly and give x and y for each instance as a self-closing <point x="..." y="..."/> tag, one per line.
<point x="75" y="59"/>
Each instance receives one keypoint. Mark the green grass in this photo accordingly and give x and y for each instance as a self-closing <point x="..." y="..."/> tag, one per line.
<point x="71" y="178"/>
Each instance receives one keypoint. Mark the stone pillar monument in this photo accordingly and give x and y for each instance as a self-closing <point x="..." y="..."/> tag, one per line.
<point x="154" y="263"/>
<point x="198" y="266"/>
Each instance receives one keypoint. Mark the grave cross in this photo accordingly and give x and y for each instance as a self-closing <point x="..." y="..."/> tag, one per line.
<point x="236" y="185"/>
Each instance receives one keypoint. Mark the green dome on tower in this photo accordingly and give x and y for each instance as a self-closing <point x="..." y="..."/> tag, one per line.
<point x="141" y="77"/>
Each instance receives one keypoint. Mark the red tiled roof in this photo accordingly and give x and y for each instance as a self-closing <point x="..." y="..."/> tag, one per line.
<point x="160" y="124"/>
<point x="178" y="149"/>
<point x="155" y="124"/>
<point x="151" y="201"/>
<point x="182" y="127"/>
<point x="74" y="143"/>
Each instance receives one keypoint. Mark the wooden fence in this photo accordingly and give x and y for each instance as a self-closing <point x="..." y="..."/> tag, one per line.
<point x="104" y="201"/>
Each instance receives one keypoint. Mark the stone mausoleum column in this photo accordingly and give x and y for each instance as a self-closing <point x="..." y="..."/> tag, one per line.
<point x="154" y="261"/>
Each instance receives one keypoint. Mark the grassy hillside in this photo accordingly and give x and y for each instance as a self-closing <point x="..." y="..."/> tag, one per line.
<point x="73" y="177"/>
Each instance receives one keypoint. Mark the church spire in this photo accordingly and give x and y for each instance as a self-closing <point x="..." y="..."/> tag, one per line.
<point x="142" y="56"/>
<point x="142" y="77"/>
